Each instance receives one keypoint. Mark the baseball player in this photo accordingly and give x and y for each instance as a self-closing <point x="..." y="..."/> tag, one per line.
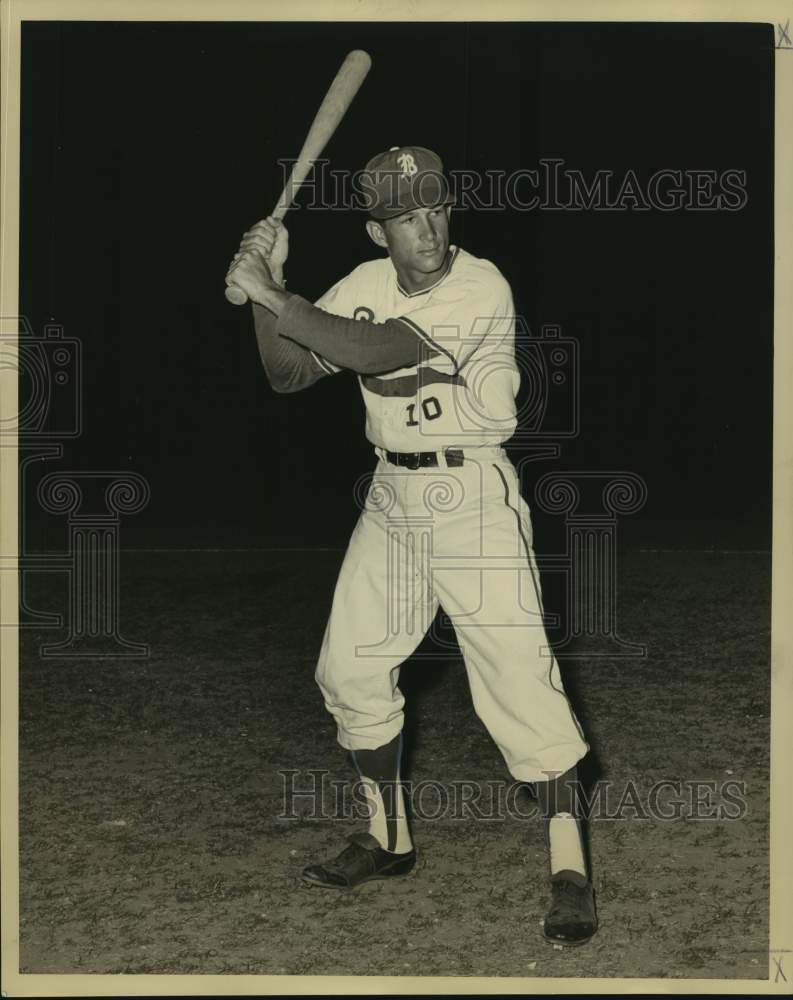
<point x="429" y="329"/>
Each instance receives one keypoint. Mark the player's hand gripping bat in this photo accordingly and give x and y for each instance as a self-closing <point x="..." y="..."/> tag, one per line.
<point x="345" y="86"/>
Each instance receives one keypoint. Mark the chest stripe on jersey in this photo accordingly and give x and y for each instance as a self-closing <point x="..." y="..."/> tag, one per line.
<point x="408" y="385"/>
<point x="427" y="339"/>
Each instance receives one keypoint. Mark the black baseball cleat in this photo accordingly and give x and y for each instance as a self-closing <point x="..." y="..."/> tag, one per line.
<point x="363" y="861"/>
<point x="571" y="919"/>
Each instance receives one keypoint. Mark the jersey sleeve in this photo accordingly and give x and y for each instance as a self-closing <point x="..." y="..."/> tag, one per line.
<point x="288" y="366"/>
<point x="459" y="315"/>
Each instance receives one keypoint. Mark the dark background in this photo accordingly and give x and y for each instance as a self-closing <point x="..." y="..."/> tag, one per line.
<point x="147" y="149"/>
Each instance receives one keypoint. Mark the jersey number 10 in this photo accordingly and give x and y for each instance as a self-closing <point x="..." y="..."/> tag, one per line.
<point x="430" y="407"/>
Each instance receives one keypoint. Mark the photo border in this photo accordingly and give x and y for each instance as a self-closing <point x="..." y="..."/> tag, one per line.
<point x="781" y="888"/>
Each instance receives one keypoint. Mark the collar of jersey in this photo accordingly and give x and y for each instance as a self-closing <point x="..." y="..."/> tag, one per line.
<point x="423" y="291"/>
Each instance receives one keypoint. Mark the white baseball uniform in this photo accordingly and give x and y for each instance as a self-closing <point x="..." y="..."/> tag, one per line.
<point x="457" y="535"/>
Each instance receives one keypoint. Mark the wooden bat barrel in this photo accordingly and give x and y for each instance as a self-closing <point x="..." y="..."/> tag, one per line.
<point x="337" y="100"/>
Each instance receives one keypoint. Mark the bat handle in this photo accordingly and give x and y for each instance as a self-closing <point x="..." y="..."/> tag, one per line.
<point x="235" y="295"/>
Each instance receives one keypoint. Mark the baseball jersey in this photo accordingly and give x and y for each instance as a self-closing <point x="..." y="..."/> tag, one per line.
<point x="461" y="391"/>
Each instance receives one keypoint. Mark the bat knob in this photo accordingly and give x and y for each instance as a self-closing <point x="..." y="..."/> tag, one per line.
<point x="235" y="295"/>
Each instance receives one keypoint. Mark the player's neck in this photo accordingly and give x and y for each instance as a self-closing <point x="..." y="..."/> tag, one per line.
<point x="416" y="281"/>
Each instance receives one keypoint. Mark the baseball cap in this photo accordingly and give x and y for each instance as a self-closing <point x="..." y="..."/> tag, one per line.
<point x="401" y="179"/>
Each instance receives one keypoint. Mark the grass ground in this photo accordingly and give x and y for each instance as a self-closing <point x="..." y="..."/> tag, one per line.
<point x="152" y="831"/>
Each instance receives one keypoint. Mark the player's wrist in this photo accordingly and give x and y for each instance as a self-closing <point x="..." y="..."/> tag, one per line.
<point x="273" y="297"/>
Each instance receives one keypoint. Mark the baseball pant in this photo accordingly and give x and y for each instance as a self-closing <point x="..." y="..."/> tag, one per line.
<point x="459" y="538"/>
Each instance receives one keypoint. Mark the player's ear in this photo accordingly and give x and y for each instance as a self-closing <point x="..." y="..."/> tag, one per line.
<point x="376" y="233"/>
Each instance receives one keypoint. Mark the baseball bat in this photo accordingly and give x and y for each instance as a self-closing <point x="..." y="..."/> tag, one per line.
<point x="345" y="86"/>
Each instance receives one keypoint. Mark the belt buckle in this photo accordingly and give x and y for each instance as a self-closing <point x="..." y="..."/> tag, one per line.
<point x="413" y="460"/>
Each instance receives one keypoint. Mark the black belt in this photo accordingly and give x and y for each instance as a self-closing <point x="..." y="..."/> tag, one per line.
<point x="424" y="459"/>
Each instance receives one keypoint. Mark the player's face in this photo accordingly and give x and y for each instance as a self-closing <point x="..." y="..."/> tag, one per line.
<point x="417" y="243"/>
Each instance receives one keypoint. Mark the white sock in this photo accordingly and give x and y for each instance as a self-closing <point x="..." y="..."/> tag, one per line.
<point x="567" y="850"/>
<point x="378" y="825"/>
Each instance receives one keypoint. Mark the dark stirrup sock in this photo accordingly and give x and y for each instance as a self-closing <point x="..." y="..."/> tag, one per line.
<point x="559" y="804"/>
<point x="558" y="794"/>
<point x="379" y="770"/>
